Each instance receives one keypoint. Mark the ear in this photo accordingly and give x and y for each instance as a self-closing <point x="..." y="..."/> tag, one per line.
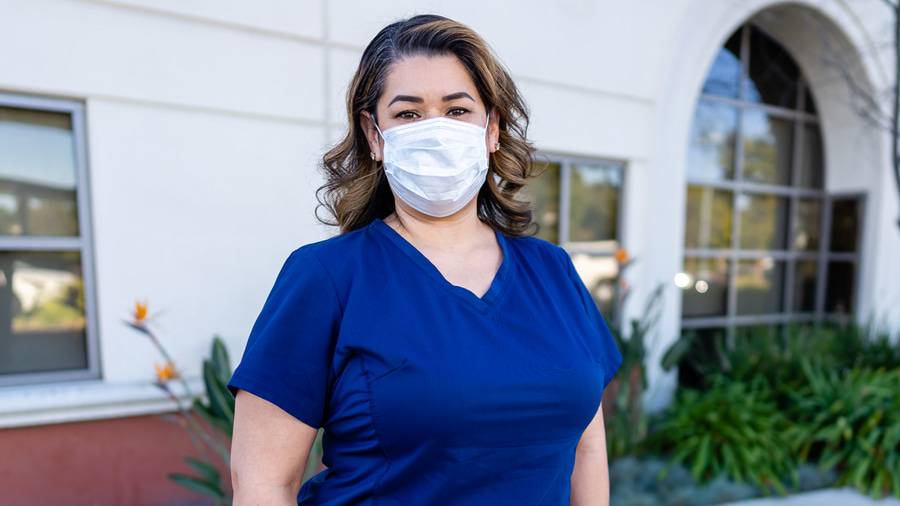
<point x="367" y="123"/>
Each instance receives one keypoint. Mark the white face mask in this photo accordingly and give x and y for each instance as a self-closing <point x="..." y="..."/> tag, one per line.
<point x="436" y="165"/>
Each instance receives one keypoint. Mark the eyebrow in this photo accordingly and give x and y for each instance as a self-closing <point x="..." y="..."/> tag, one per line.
<point x="419" y="100"/>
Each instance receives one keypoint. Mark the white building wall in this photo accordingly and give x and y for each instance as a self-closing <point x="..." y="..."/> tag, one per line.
<point x="206" y="121"/>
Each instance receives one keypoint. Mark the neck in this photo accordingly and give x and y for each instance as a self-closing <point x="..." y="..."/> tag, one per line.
<point x="460" y="231"/>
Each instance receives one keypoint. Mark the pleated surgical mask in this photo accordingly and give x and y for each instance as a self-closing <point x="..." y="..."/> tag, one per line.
<point x="436" y="165"/>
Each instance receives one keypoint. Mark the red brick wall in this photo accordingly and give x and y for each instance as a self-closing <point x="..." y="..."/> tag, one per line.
<point x="121" y="461"/>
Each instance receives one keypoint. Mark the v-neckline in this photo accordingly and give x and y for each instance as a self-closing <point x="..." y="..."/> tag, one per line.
<point x="483" y="303"/>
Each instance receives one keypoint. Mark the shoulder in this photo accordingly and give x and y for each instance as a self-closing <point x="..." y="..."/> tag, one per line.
<point x="334" y="250"/>
<point x="533" y="249"/>
<point x="333" y="259"/>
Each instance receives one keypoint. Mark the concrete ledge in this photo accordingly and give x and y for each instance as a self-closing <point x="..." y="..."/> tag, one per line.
<point x="24" y="406"/>
<point x="829" y="497"/>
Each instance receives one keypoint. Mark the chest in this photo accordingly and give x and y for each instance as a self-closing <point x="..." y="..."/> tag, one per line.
<point x="474" y="272"/>
<point x="441" y="374"/>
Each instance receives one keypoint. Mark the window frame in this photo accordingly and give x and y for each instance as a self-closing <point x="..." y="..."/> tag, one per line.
<point x="826" y="256"/>
<point x="566" y="162"/>
<point x="793" y="192"/>
<point x="83" y="243"/>
<point x="566" y="165"/>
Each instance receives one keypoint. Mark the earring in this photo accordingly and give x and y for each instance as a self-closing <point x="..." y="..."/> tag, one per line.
<point x="372" y="155"/>
<point x="497" y="146"/>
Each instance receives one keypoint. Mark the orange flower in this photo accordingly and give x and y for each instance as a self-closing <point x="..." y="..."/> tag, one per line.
<point x="140" y="312"/>
<point x="165" y="372"/>
<point x="621" y="255"/>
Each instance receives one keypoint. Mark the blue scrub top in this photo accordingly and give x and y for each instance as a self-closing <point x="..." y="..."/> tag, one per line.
<point x="428" y="393"/>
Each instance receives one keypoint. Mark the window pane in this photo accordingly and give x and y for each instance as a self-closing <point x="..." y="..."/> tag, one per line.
<point x="599" y="275"/>
<point x="844" y="225"/>
<point x="708" y="218"/>
<point x="805" y="276"/>
<point x="767" y="148"/>
<point x="806" y="224"/>
<point x="839" y="294"/>
<point x="704" y="287"/>
<point x="810" y="101"/>
<point x="43" y="319"/>
<point x="773" y="74"/>
<point x="711" y="149"/>
<point x="703" y="355"/>
<point x="543" y="192"/>
<point x="594" y="202"/>
<point x="759" y="286"/>
<point x="37" y="173"/>
<point x="724" y="75"/>
<point x="811" y="158"/>
<point x="763" y="221"/>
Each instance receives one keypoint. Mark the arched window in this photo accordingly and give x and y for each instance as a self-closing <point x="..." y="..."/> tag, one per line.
<point x="757" y="218"/>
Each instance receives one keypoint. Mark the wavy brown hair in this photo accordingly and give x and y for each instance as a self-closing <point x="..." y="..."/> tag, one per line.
<point x="356" y="189"/>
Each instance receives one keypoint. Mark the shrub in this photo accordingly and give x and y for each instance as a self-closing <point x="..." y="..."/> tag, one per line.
<point x="850" y="420"/>
<point x="624" y="417"/>
<point x="732" y="428"/>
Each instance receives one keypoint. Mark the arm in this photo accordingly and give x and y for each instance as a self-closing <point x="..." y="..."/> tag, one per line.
<point x="590" y="476"/>
<point x="269" y="448"/>
<point x="282" y="382"/>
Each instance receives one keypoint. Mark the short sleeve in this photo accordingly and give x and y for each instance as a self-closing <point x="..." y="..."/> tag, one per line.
<point x="287" y="360"/>
<point x="609" y="355"/>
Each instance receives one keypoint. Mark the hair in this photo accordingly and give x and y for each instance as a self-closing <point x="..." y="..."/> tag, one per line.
<point x="356" y="188"/>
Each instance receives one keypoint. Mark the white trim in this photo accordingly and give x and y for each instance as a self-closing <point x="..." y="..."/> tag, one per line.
<point x="30" y="405"/>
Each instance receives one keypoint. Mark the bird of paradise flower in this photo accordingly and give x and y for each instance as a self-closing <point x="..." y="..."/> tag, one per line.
<point x="218" y="413"/>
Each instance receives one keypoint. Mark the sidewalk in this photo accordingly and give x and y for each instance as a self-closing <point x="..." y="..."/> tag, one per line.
<point x="832" y="497"/>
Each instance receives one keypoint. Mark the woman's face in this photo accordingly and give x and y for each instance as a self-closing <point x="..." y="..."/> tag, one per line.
<point x="423" y="87"/>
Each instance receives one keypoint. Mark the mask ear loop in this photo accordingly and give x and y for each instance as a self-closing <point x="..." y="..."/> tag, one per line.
<point x="375" y="122"/>
<point x="486" y="123"/>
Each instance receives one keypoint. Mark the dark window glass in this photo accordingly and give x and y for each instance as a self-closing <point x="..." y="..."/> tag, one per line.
<point x="708" y="218"/>
<point x="37" y="173"/>
<point x="724" y="75"/>
<point x="811" y="168"/>
<point x="844" y="225"/>
<point x="810" y="101"/>
<point x="839" y="294"/>
<point x="543" y="192"/>
<point x="711" y="149"/>
<point x="594" y="202"/>
<point x="759" y="285"/>
<point x="768" y="143"/>
<point x="704" y="284"/>
<point x="805" y="276"/>
<point x="704" y="356"/>
<point x="43" y="312"/>
<point x="806" y="224"/>
<point x="773" y="74"/>
<point x="763" y="221"/>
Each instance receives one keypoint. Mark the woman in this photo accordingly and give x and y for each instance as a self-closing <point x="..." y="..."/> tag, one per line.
<point x="452" y="358"/>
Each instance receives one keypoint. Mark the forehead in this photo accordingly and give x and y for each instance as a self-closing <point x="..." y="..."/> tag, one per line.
<point x="429" y="77"/>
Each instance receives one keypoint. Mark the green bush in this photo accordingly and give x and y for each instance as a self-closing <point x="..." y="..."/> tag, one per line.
<point x="732" y="428"/>
<point x="624" y="417"/>
<point x="838" y="384"/>
<point x="774" y="353"/>
<point x="218" y="412"/>
<point x="850" y="420"/>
